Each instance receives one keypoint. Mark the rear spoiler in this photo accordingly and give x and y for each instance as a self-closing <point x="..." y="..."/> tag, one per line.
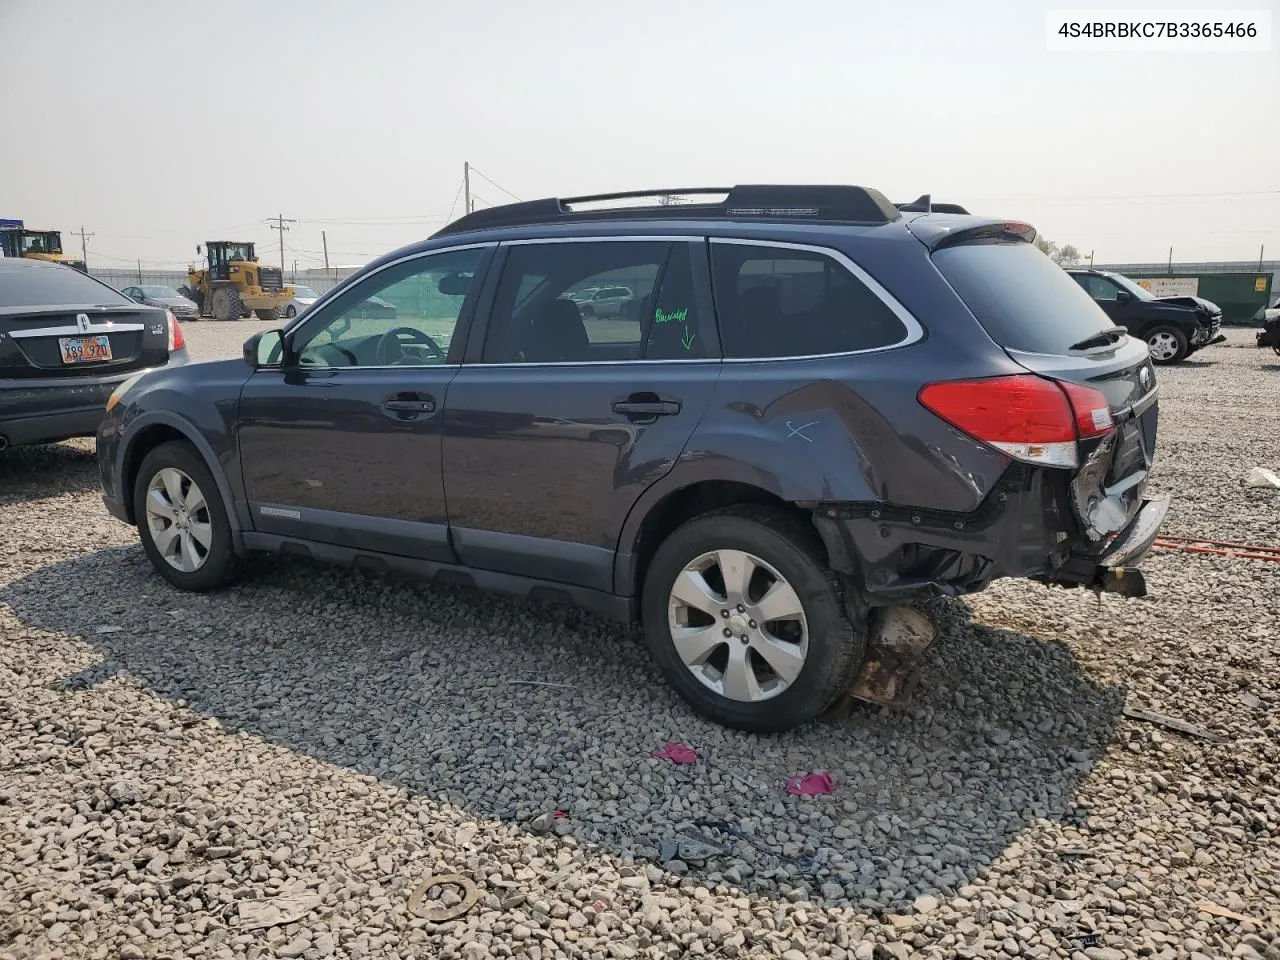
<point x="924" y="204"/>
<point x="937" y="233"/>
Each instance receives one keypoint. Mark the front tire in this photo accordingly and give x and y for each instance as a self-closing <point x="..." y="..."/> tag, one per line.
<point x="291" y="311"/>
<point x="746" y="623"/>
<point x="1167" y="345"/>
<point x="272" y="314"/>
<point x="182" y="520"/>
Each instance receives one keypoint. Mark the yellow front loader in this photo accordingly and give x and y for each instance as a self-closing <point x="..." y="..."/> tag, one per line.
<point x="233" y="284"/>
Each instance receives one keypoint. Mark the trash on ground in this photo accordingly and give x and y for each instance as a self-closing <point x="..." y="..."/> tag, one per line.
<point x="801" y="863"/>
<point x="541" y="683"/>
<point x="1172" y="723"/>
<point x="811" y="785"/>
<point x="1262" y="477"/>
<point x="443" y="914"/>
<point x="1211" y="908"/>
<point x="691" y="848"/>
<point x="275" y="912"/>
<point x="107" y="629"/>
<point x="676" y="753"/>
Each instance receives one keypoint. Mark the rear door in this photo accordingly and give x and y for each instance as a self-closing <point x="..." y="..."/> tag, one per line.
<point x="1050" y="325"/>
<point x="559" y="420"/>
<point x="59" y="323"/>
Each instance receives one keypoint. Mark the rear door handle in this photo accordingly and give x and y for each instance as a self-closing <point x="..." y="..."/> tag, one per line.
<point x="647" y="408"/>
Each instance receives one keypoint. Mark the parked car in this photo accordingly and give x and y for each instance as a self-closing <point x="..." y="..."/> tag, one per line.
<point x="303" y="297"/>
<point x="607" y="302"/>
<point x="866" y="408"/>
<point x="66" y="342"/>
<point x="159" y="296"/>
<point x="1172" y="327"/>
<point x="1269" y="335"/>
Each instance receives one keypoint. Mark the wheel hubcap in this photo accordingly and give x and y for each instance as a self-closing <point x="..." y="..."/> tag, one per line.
<point x="738" y="626"/>
<point x="1163" y="346"/>
<point x="178" y="520"/>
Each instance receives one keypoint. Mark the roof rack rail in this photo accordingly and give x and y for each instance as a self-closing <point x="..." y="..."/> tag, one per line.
<point x="924" y="204"/>
<point x="820" y="202"/>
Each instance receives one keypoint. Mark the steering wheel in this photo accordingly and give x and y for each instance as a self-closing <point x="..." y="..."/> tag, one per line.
<point x="413" y="335"/>
<point x="355" y="362"/>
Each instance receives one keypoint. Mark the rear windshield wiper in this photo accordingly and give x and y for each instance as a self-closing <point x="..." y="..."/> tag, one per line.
<point x="1102" y="338"/>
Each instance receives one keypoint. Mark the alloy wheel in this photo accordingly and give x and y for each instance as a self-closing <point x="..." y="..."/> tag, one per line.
<point x="178" y="520"/>
<point x="738" y="625"/>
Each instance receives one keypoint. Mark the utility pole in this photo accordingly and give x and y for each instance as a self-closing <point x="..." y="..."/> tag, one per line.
<point x="1171" y="261"/>
<point x="325" y="241"/>
<point x="280" y="227"/>
<point x="84" y="237"/>
<point x="139" y="269"/>
<point x="466" y="186"/>
<point x="1261" y="250"/>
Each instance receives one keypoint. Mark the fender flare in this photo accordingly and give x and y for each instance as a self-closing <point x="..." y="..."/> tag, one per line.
<point x="683" y="476"/>
<point x="197" y="440"/>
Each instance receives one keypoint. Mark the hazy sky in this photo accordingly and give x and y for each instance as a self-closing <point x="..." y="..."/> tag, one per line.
<point x="158" y="125"/>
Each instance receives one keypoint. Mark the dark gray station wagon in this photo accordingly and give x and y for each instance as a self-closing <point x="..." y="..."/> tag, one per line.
<point x="822" y="408"/>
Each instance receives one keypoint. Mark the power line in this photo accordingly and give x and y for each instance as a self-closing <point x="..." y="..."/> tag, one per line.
<point x="484" y="176"/>
<point x="455" y="200"/>
<point x="279" y="227"/>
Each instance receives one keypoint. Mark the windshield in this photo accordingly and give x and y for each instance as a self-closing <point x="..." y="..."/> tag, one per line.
<point x="1023" y="299"/>
<point x="1139" y="293"/>
<point x="239" y="251"/>
<point x="160" y="293"/>
<point x="41" y="243"/>
<point x="300" y="291"/>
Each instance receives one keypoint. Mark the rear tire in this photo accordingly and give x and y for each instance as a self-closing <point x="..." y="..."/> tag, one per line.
<point x="181" y="519"/>
<point x="1167" y="345"/>
<point x="732" y="680"/>
<point x="272" y="314"/>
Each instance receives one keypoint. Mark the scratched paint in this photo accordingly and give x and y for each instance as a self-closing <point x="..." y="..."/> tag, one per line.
<point x="794" y="431"/>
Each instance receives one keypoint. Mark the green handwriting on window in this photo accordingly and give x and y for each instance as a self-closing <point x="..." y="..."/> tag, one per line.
<point x="673" y="316"/>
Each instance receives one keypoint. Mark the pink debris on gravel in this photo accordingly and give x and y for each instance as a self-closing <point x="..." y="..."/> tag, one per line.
<point x="676" y="753"/>
<point x="812" y="785"/>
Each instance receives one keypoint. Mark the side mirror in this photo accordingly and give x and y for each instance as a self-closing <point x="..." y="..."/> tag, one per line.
<point x="1123" y="296"/>
<point x="264" y="349"/>
<point x="139" y="296"/>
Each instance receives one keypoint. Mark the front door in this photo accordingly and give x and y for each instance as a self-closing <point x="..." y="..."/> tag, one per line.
<point x="342" y="443"/>
<point x="566" y="417"/>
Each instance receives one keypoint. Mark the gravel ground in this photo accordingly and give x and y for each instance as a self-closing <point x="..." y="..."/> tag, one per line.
<point x="272" y="771"/>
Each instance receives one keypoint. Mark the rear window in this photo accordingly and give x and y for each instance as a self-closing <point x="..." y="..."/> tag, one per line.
<point x="1023" y="299"/>
<point x="26" y="284"/>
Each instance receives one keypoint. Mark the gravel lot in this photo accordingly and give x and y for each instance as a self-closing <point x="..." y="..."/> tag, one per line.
<point x="272" y="771"/>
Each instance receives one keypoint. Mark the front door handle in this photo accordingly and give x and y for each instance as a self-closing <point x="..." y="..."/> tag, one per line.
<point x="406" y="406"/>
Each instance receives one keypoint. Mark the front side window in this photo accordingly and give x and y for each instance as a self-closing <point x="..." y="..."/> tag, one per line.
<point x="575" y="302"/>
<point x="780" y="302"/>
<point x="406" y="315"/>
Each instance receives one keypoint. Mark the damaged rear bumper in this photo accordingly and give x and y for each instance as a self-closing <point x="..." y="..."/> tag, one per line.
<point x="1026" y="528"/>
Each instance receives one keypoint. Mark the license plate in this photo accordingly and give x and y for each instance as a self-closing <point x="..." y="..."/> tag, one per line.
<point x="84" y="349"/>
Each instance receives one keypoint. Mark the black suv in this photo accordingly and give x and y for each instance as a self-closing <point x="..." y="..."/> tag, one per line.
<point x="1173" y="327"/>
<point x="825" y="408"/>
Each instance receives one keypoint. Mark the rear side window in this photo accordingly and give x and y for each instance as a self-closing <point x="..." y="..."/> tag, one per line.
<point x="23" y="284"/>
<point x="781" y="302"/>
<point x="1023" y="299"/>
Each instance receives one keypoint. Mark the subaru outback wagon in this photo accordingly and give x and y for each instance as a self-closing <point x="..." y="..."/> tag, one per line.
<point x="826" y="409"/>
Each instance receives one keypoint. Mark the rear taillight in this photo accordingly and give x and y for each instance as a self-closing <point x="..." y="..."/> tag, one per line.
<point x="1027" y="417"/>
<point x="176" y="340"/>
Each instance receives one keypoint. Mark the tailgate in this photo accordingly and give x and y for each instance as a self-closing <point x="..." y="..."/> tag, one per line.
<point x="1107" y="488"/>
<point x="71" y="342"/>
